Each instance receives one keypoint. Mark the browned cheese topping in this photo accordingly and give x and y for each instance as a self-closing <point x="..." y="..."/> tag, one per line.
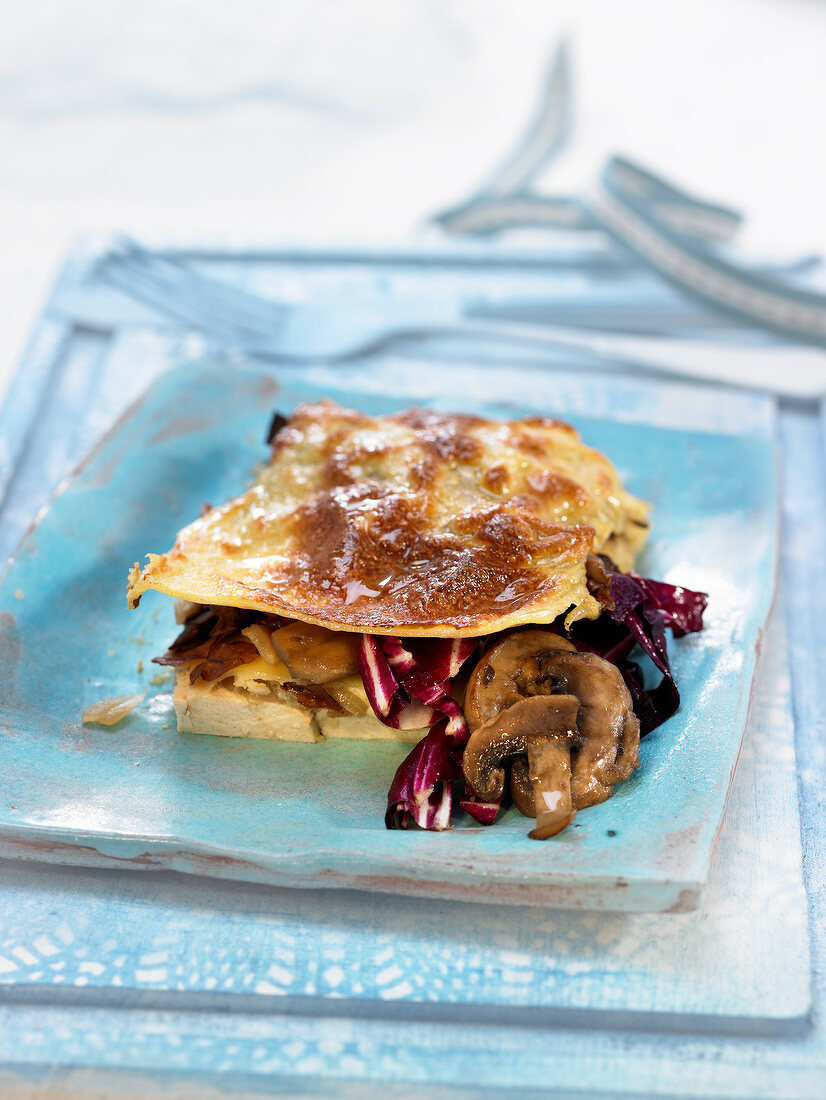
<point x="421" y="523"/>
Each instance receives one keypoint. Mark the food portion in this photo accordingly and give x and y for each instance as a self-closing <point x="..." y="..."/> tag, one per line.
<point x="457" y="583"/>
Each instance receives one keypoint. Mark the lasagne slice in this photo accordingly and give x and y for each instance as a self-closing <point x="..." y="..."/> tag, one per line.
<point x="429" y="578"/>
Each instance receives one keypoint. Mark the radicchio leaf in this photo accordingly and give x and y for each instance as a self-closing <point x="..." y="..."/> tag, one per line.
<point x="380" y="683"/>
<point x="483" y="812"/>
<point x="654" y="706"/>
<point x="213" y="638"/>
<point x="421" y="687"/>
<point x="422" y="786"/>
<point x="398" y="658"/>
<point x="226" y="652"/>
<point x="608" y="639"/>
<point x="408" y="686"/>
<point x="441" y="657"/>
<point x="642" y="610"/>
<point x="409" y="714"/>
<point x="682" y="609"/>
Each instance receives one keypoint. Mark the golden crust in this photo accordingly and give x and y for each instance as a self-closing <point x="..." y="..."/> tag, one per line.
<point x="420" y="523"/>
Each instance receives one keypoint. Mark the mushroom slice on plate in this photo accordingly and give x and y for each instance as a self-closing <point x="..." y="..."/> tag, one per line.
<point x="549" y="768"/>
<point x="608" y="738"/>
<point x="511" y="670"/>
<point x="541" y="729"/>
<point x="314" y="654"/>
<point x="606" y="748"/>
<point x="582" y="767"/>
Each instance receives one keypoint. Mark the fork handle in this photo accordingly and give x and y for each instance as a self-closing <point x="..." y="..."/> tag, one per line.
<point x="797" y="371"/>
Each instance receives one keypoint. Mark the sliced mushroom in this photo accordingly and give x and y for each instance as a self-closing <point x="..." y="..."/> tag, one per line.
<point x="314" y="654"/>
<point x="607" y="748"/>
<point x="532" y="666"/>
<point x="607" y="744"/>
<point x="511" y="670"/>
<point x="549" y="721"/>
<point x="549" y="768"/>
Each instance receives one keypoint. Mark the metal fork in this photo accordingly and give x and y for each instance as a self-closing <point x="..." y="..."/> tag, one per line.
<point x="303" y="332"/>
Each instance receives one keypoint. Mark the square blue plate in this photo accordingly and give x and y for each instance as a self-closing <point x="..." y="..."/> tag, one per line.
<point x="140" y="794"/>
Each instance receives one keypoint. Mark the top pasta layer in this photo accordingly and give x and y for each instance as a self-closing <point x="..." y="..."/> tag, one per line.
<point x="421" y="523"/>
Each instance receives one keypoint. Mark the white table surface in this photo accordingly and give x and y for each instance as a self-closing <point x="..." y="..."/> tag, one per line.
<point x="319" y="120"/>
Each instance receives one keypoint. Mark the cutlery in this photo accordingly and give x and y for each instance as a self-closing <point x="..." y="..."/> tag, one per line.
<point x="305" y="332"/>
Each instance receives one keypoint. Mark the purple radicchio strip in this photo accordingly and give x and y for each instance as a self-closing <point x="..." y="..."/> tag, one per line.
<point x="682" y="609"/>
<point x="380" y="684"/>
<point x="422" y="786"/>
<point x="419" y="685"/>
<point x="642" y="610"/>
<point x="390" y="702"/>
<point x="409" y="714"/>
<point x="441" y="657"/>
<point x="405" y="693"/>
<point x="645" y="706"/>
<point x="483" y="812"/>
<point x="646" y="623"/>
<point x="425" y="689"/>
<point x="400" y="660"/>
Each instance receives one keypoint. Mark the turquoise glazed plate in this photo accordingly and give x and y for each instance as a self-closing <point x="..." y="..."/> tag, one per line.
<point x="142" y="795"/>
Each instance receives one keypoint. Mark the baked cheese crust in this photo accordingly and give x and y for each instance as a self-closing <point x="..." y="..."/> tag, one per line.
<point x="423" y="523"/>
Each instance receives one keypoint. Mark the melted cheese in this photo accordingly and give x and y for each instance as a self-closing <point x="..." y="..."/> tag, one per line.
<point x="420" y="523"/>
<point x="257" y="676"/>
